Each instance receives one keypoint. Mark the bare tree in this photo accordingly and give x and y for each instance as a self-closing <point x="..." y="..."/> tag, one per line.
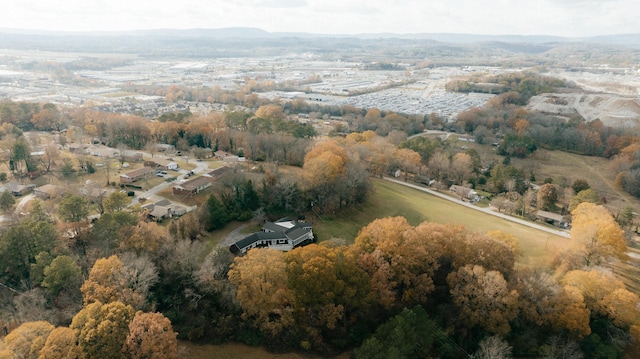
<point x="493" y="347"/>
<point x="139" y="272"/>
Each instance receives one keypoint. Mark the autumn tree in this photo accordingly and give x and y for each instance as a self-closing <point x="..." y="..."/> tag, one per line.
<point x="409" y="160"/>
<point x="260" y="279"/>
<point x="547" y="197"/>
<point x="606" y="296"/>
<point x="47" y="119"/>
<point x="439" y="165"/>
<point x="543" y="301"/>
<point x="27" y="340"/>
<point x="461" y="167"/>
<point x="49" y="157"/>
<point x="327" y="288"/>
<point x="60" y="344"/>
<point x="151" y="337"/>
<point x="484" y="298"/>
<point x="271" y="112"/>
<point x="494" y="252"/>
<point x="385" y="229"/>
<point x="101" y="329"/>
<point x="110" y="280"/>
<point x="595" y="235"/>
<point x="400" y="259"/>
<point x="144" y="237"/>
<point x="323" y="166"/>
<point x="521" y="126"/>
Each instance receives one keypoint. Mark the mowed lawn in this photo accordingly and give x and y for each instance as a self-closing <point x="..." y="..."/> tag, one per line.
<point x="389" y="199"/>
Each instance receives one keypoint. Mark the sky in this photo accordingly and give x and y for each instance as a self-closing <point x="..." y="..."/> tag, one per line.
<point x="572" y="18"/>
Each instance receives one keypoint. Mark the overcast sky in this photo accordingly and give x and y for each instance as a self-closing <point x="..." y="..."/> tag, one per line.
<point x="513" y="17"/>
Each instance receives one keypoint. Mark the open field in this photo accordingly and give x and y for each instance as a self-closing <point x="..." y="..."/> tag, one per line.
<point x="558" y="164"/>
<point x="389" y="199"/>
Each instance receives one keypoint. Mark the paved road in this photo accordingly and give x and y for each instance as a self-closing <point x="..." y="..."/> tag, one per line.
<point x="488" y="210"/>
<point x="200" y="167"/>
<point x="432" y="132"/>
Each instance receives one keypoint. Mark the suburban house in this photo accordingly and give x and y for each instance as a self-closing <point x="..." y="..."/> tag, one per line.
<point x="47" y="191"/>
<point x="192" y="186"/>
<point x="136" y="175"/>
<point x="95" y="194"/>
<point x="550" y="217"/>
<point x="105" y="152"/>
<point x="161" y="164"/>
<point x="228" y="157"/>
<point x="283" y="234"/>
<point x="132" y="156"/>
<point x="217" y="172"/>
<point x="165" y="209"/>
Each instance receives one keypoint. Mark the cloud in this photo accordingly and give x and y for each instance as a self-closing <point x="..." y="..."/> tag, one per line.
<point x="276" y="4"/>
<point x="544" y="17"/>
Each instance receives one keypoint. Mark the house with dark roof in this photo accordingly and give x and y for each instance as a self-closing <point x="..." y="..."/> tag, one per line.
<point x="283" y="234"/>
<point x="217" y="172"/>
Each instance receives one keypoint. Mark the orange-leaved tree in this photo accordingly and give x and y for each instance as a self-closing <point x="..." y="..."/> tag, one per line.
<point x="596" y="236"/>
<point x="151" y="336"/>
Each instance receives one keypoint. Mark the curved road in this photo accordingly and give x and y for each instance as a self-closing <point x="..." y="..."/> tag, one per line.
<point x="487" y="210"/>
<point x="200" y="167"/>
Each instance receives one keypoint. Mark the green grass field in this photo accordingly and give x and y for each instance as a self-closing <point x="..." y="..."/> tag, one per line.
<point x="390" y="199"/>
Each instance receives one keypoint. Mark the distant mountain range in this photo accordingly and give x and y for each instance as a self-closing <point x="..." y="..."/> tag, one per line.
<point x="256" y="33"/>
